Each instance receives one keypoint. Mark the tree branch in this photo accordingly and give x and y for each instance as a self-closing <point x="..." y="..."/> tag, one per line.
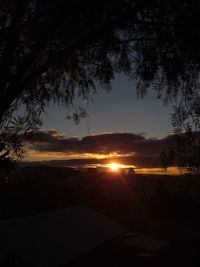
<point x="12" y="38"/>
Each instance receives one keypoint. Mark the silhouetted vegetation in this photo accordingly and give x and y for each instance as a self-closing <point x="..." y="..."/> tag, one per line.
<point x="57" y="50"/>
<point x="13" y="130"/>
<point x="54" y="50"/>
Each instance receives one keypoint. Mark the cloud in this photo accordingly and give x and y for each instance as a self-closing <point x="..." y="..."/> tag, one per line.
<point x="129" y="147"/>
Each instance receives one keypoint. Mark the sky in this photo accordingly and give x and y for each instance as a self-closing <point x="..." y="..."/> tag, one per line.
<point x="120" y="128"/>
<point x="116" y="111"/>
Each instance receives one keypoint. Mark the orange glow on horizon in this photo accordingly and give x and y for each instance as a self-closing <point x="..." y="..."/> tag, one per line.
<point x="33" y="155"/>
<point x="114" y="166"/>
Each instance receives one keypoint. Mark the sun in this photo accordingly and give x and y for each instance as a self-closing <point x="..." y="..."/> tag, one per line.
<point x="114" y="166"/>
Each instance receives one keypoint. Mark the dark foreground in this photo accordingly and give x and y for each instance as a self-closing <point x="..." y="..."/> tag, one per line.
<point x="165" y="208"/>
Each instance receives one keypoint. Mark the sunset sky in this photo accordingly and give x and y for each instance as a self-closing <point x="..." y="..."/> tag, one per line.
<point x="120" y="127"/>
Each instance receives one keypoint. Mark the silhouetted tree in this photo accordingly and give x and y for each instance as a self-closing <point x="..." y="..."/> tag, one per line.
<point x="131" y="171"/>
<point x="49" y="48"/>
<point x="167" y="158"/>
<point x="186" y="122"/>
<point x="56" y="49"/>
<point x="14" y="129"/>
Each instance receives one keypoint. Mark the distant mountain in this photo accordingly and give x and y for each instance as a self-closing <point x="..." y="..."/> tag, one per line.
<point x="50" y="163"/>
<point x="45" y="173"/>
<point x="62" y="163"/>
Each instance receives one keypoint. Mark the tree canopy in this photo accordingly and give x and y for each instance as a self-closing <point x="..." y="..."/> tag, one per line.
<point x="54" y="49"/>
<point x="50" y="48"/>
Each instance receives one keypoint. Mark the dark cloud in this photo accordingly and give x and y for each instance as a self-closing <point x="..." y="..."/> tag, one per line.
<point x="144" y="149"/>
<point x="139" y="162"/>
<point x="49" y="136"/>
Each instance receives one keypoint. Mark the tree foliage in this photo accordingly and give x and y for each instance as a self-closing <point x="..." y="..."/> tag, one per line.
<point x="186" y="123"/>
<point x="49" y="49"/>
<point x="14" y="128"/>
<point x="56" y="49"/>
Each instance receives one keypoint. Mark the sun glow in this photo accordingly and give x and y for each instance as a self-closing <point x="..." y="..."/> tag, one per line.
<point x="114" y="166"/>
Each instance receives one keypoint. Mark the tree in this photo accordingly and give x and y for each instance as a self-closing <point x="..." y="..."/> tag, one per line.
<point x="56" y="49"/>
<point x="186" y="122"/>
<point x="49" y="48"/>
<point x="14" y="128"/>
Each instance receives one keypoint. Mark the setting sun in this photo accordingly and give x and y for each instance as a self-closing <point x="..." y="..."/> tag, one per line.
<point x="114" y="166"/>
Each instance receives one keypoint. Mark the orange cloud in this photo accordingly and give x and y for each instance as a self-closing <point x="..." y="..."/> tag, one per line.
<point x="34" y="155"/>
